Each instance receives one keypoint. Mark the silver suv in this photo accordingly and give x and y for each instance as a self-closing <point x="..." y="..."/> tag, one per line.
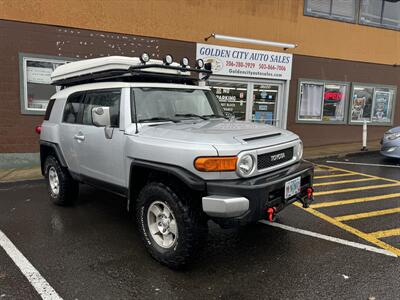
<point x="144" y="129"/>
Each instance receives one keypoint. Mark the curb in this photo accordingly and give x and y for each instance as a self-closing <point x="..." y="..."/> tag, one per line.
<point x="341" y="155"/>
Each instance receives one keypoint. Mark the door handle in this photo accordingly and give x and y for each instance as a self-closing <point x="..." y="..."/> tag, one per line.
<point x="79" y="137"/>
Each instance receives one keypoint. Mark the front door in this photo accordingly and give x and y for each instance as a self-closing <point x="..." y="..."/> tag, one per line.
<point x="102" y="158"/>
<point x="265" y="104"/>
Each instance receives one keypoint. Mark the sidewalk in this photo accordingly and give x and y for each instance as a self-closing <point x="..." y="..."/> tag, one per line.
<point x="34" y="173"/>
<point x="10" y="175"/>
<point x="339" y="150"/>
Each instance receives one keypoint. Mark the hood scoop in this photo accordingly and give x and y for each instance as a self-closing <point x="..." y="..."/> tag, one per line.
<point x="265" y="136"/>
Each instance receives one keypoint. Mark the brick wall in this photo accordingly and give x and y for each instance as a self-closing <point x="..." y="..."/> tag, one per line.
<point x="17" y="134"/>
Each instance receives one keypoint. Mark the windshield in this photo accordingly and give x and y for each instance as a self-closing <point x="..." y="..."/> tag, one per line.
<point x="166" y="104"/>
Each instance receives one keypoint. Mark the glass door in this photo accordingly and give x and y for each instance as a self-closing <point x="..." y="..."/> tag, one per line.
<point x="232" y="96"/>
<point x="265" y="100"/>
<point x="252" y="99"/>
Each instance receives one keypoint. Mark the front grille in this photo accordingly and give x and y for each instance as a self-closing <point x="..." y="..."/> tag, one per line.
<point x="271" y="159"/>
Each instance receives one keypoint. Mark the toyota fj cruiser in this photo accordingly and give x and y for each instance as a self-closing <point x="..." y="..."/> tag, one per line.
<point x="144" y="129"/>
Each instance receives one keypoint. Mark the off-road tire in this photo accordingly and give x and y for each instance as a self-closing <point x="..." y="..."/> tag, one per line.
<point x="68" y="187"/>
<point x="190" y="220"/>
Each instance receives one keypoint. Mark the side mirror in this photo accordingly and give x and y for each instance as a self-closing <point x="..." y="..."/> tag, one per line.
<point x="101" y="116"/>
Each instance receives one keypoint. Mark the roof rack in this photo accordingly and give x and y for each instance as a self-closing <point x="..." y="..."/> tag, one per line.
<point x="118" y="68"/>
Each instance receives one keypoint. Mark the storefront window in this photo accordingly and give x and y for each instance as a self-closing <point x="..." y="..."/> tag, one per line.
<point x="232" y="97"/>
<point x="322" y="102"/>
<point x="36" y="89"/>
<point x="334" y="102"/>
<point x="374" y="104"/>
<point x="265" y="97"/>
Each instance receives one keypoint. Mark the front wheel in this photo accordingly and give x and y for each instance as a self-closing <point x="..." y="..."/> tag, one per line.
<point x="170" y="227"/>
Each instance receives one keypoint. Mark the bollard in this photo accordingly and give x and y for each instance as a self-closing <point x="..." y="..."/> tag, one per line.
<point x="364" y="136"/>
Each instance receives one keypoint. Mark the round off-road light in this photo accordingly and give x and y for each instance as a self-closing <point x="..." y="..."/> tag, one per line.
<point x="245" y="165"/>
<point x="184" y="62"/>
<point x="168" y="59"/>
<point x="144" y="58"/>
<point x="199" y="63"/>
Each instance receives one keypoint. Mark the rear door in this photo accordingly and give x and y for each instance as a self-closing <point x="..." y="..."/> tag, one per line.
<point x="101" y="158"/>
<point x="69" y="130"/>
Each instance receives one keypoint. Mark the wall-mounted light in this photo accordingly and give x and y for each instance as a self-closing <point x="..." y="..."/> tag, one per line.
<point x="250" y="41"/>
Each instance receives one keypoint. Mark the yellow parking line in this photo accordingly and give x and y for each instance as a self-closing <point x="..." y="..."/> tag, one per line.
<point x="385" y="233"/>
<point x="368" y="214"/>
<point x="361" y="188"/>
<point x="362" y="174"/>
<point x="355" y="200"/>
<point x="344" y="181"/>
<point x="335" y="175"/>
<point x="368" y="237"/>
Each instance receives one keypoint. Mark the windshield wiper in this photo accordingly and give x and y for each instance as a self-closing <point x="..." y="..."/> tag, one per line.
<point x="191" y="115"/>
<point x="158" y="119"/>
<point x="215" y="116"/>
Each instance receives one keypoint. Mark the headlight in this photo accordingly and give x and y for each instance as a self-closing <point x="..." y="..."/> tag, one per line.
<point x="245" y="165"/>
<point x="394" y="136"/>
<point x="300" y="150"/>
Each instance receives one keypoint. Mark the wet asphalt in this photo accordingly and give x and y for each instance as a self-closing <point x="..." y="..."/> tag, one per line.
<point x="92" y="250"/>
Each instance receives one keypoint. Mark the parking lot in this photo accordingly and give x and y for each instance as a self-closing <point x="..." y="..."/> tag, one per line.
<point x="346" y="245"/>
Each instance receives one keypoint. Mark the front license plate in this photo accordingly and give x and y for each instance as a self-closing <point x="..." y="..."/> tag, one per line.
<point x="292" y="187"/>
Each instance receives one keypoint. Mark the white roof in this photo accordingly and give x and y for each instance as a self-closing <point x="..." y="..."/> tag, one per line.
<point x="102" y="64"/>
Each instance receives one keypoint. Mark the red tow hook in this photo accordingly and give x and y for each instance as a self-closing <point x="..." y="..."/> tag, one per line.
<point x="310" y="193"/>
<point x="310" y="197"/>
<point x="271" y="213"/>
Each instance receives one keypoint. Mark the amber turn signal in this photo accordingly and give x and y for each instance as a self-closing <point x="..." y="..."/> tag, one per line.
<point x="216" y="164"/>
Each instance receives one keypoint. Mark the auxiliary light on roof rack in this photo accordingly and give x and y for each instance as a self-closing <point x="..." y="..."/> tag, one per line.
<point x="119" y="68"/>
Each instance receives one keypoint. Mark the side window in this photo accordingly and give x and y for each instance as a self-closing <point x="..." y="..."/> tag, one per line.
<point x="105" y="98"/>
<point x="72" y="107"/>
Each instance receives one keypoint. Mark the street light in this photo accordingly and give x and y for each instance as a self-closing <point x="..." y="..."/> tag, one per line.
<point x="250" y="41"/>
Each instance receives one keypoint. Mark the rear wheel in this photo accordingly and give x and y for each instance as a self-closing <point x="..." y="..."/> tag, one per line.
<point x="62" y="188"/>
<point x="171" y="228"/>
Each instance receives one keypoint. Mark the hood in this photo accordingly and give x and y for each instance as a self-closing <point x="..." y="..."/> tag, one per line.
<point x="395" y="129"/>
<point x="217" y="132"/>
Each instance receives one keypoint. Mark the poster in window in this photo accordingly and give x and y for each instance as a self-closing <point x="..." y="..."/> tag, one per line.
<point x="361" y="107"/>
<point x="381" y="111"/>
<point x="38" y="82"/>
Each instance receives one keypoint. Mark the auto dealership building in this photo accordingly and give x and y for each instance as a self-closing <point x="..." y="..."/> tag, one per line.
<point x="345" y="69"/>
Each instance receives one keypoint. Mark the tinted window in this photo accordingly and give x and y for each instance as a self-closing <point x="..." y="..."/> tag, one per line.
<point x="104" y="98"/>
<point x="48" y="109"/>
<point x="72" y="107"/>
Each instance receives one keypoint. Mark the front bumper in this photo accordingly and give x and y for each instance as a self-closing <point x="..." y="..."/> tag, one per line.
<point x="241" y="201"/>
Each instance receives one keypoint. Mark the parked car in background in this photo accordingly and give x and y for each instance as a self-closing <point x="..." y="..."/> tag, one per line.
<point x="390" y="143"/>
